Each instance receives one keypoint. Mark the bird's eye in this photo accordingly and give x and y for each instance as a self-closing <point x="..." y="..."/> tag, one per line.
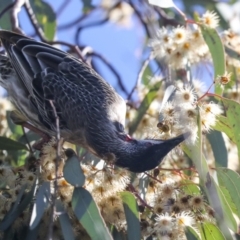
<point x="119" y="126"/>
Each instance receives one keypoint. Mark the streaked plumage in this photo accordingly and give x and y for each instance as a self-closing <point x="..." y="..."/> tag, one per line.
<point x="91" y="113"/>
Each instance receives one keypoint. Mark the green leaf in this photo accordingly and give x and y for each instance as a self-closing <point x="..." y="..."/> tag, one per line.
<point x="42" y="202"/>
<point x="214" y="196"/>
<point x="230" y="181"/>
<point x="46" y="17"/>
<point x="15" y="129"/>
<point x="146" y="74"/>
<point x="191" y="234"/>
<point x="132" y="215"/>
<point x="209" y="231"/>
<point x="189" y="187"/>
<point x="228" y="198"/>
<point x="150" y="96"/>
<point x="232" y="109"/>
<point x="195" y="154"/>
<point x="227" y="211"/>
<point x="9" y="144"/>
<point x="206" y="181"/>
<point x="216" y="49"/>
<point x="5" y="20"/>
<point x="88" y="214"/>
<point x="119" y="235"/>
<point x="64" y="221"/>
<point x="223" y="125"/>
<point x="87" y="6"/>
<point x="72" y="170"/>
<point x="218" y="147"/>
<point x="31" y="234"/>
<point x="30" y="135"/>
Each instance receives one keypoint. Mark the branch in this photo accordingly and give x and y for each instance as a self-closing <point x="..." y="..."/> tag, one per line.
<point x="76" y="21"/>
<point x="88" y="26"/>
<point x="134" y="191"/>
<point x="63" y="7"/>
<point x="141" y="19"/>
<point x="14" y="15"/>
<point x="58" y="158"/>
<point x="114" y="71"/>
<point x="34" y="21"/>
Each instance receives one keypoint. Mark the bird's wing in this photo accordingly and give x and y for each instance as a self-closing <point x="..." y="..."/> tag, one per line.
<point x="79" y="94"/>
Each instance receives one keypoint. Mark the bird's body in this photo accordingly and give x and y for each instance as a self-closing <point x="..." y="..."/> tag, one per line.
<point x="90" y="112"/>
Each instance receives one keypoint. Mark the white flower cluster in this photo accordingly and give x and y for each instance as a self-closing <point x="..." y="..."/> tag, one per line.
<point x="181" y="114"/>
<point x="181" y="45"/>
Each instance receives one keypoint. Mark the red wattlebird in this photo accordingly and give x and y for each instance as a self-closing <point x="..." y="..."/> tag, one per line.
<point x="90" y="111"/>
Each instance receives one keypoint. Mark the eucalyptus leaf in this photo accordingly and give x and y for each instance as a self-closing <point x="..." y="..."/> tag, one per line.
<point x="5" y="20"/>
<point x="232" y="109"/>
<point x="216" y="49"/>
<point x="46" y="17"/>
<point x="230" y="181"/>
<point x="223" y="125"/>
<point x="64" y="222"/>
<point x="189" y="187"/>
<point x="88" y="215"/>
<point x="132" y="215"/>
<point x="12" y="145"/>
<point x="41" y="203"/>
<point x="145" y="104"/>
<point x="227" y="211"/>
<point x="210" y="231"/>
<point x="191" y="233"/>
<point x="218" y="147"/>
<point x="72" y="170"/>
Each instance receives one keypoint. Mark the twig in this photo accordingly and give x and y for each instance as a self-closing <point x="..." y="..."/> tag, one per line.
<point x="7" y="8"/>
<point x="62" y="7"/>
<point x="149" y="175"/>
<point x="74" y="48"/>
<point x="100" y="22"/>
<point x="141" y="19"/>
<point x="76" y="21"/>
<point x="166" y="20"/>
<point x="136" y="194"/>
<point x="14" y="15"/>
<point x="140" y="74"/>
<point x="34" y="21"/>
<point x="40" y="32"/>
<point x="114" y="71"/>
<point x="87" y="26"/>
<point x="58" y="158"/>
<point x="206" y="93"/>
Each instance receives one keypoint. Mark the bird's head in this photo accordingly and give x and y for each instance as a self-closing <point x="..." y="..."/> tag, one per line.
<point x="144" y="155"/>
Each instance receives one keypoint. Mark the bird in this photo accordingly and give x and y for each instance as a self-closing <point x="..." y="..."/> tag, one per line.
<point x="90" y="112"/>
